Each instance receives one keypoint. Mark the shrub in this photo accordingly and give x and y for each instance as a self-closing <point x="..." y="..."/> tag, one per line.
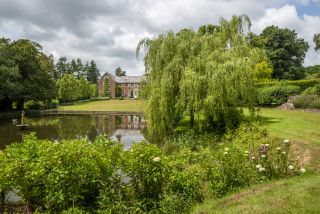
<point x="277" y="94"/>
<point x="33" y="105"/>
<point x="78" y="176"/>
<point x="306" y="102"/>
<point x="57" y="176"/>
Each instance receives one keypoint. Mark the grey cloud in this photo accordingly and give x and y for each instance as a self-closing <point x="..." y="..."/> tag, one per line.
<point x="109" y="30"/>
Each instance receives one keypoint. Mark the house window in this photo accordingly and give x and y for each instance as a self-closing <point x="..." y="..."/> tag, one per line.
<point x="136" y="85"/>
<point x="122" y="85"/>
<point x="129" y="85"/>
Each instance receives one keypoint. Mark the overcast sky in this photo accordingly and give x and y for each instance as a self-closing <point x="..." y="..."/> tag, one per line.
<point x="108" y="31"/>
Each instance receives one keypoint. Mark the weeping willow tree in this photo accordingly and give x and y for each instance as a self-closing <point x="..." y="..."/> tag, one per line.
<point x="207" y="73"/>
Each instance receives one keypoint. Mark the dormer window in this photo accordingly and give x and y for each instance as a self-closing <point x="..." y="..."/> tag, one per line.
<point x="129" y="85"/>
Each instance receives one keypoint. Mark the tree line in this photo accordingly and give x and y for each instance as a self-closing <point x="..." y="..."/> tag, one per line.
<point x="27" y="73"/>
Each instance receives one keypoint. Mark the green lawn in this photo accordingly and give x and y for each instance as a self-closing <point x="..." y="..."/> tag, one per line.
<point x="296" y="195"/>
<point x="106" y="105"/>
<point x="298" y="126"/>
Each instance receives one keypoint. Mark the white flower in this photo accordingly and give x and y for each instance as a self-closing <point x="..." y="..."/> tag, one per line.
<point x="263" y="156"/>
<point x="225" y="153"/>
<point x="283" y="153"/>
<point x="278" y="148"/>
<point x="291" y="167"/>
<point x="302" y="170"/>
<point x="267" y="145"/>
<point x="258" y="166"/>
<point x="226" y="149"/>
<point x="286" y="141"/>
<point x="253" y="158"/>
<point x="156" y="159"/>
<point x="298" y="157"/>
<point x="246" y="152"/>
<point x="262" y="169"/>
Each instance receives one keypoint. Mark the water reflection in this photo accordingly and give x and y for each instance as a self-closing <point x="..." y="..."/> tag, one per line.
<point x="125" y="128"/>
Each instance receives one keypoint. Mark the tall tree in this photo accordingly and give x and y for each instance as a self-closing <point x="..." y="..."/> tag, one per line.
<point x="316" y="40"/>
<point x="34" y="70"/>
<point x="93" y="73"/>
<point x="10" y="86"/>
<point x="79" y="69"/>
<point x="62" y="67"/>
<point x="120" y="72"/>
<point x="285" y="50"/>
<point x="204" y="73"/>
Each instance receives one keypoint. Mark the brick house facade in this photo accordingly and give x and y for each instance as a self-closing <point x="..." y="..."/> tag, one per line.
<point x="129" y="85"/>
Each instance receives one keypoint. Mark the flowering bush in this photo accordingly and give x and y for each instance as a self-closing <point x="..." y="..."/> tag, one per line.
<point x="101" y="176"/>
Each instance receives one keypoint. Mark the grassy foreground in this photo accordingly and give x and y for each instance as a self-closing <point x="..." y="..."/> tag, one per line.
<point x="106" y="105"/>
<point x="296" y="195"/>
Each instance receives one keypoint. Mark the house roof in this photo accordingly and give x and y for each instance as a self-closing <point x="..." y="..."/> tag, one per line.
<point x="129" y="79"/>
<point x="125" y="79"/>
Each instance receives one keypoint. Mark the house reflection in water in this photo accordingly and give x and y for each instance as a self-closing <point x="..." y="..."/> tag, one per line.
<point x="126" y="129"/>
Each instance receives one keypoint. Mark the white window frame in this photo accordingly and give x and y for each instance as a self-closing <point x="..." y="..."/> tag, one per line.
<point x="129" y="84"/>
<point x="122" y="85"/>
<point x="136" y="85"/>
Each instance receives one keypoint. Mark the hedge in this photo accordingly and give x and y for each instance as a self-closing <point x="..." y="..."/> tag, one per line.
<point x="303" y="84"/>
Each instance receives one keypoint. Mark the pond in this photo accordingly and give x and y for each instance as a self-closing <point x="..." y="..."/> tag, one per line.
<point x="126" y="128"/>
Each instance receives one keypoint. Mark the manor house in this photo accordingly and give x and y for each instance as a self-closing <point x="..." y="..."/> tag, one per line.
<point x="129" y="85"/>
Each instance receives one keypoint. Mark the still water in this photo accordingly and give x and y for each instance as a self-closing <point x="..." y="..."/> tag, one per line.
<point x="124" y="128"/>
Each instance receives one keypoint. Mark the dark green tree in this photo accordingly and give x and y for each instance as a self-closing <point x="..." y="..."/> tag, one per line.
<point x="118" y="91"/>
<point x="316" y="40"/>
<point x="285" y="50"/>
<point x="35" y="71"/>
<point x="93" y="73"/>
<point x="62" y="67"/>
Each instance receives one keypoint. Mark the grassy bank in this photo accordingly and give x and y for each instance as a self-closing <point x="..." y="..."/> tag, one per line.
<point x="106" y="105"/>
<point x="296" y="195"/>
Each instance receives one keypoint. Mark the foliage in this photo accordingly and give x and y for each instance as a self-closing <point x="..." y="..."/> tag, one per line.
<point x="285" y="50"/>
<point x="203" y="73"/>
<point x="106" y="87"/>
<point x="102" y="177"/>
<point x="313" y="71"/>
<point x="277" y="94"/>
<point x="118" y="91"/>
<point x="303" y="84"/>
<point x="263" y="71"/>
<point x="315" y="90"/>
<point x="316" y="40"/>
<point x="57" y="176"/>
<point x="28" y="72"/>
<point x="89" y="71"/>
<point x="71" y="89"/>
<point x="306" y="101"/>
<point x="92" y="73"/>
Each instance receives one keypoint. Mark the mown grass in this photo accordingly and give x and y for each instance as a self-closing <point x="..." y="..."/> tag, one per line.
<point x="298" y="126"/>
<point x="107" y="105"/>
<point x="296" y="195"/>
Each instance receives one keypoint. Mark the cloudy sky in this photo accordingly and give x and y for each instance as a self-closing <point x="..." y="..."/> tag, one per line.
<point x="108" y="30"/>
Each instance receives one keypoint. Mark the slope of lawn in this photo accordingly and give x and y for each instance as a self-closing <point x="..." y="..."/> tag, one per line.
<point x="296" y="195"/>
<point x="106" y="105"/>
<point x="296" y="125"/>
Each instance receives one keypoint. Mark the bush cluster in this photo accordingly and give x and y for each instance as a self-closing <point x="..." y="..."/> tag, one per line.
<point x="40" y="105"/>
<point x="276" y="94"/>
<point x="101" y="177"/>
